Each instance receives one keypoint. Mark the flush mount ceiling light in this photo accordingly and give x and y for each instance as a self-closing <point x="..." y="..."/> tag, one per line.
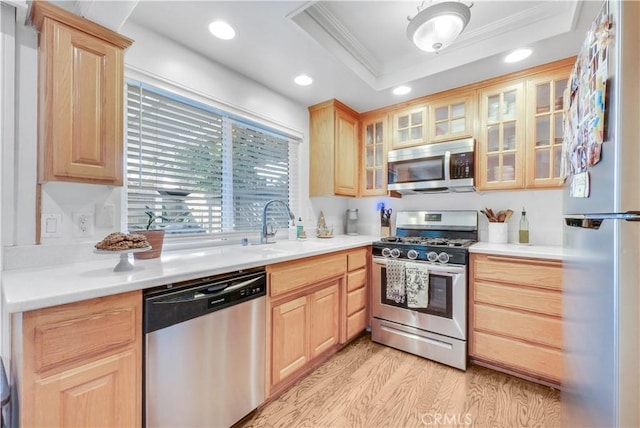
<point x="222" y="30"/>
<point x="437" y="26"/>
<point x="518" y="55"/>
<point x="303" y="80"/>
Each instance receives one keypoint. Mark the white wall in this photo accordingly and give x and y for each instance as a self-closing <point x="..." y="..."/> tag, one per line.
<point x="544" y="210"/>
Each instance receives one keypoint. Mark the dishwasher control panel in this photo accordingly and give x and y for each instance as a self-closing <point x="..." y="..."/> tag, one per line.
<point x="254" y="290"/>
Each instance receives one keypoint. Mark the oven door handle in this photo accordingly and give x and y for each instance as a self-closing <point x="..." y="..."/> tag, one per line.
<point x="442" y="268"/>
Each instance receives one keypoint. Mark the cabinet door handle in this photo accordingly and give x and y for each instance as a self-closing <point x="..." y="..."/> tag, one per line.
<point x="549" y="263"/>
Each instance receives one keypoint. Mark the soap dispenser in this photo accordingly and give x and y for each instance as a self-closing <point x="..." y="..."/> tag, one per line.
<point x="300" y="229"/>
<point x="523" y="237"/>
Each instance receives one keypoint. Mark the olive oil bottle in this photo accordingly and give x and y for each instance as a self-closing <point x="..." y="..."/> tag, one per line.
<point x="523" y="236"/>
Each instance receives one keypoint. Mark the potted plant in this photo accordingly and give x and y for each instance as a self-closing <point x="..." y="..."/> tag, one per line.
<point x="155" y="237"/>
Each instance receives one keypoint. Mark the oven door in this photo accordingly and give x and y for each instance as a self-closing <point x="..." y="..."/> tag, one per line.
<point x="446" y="313"/>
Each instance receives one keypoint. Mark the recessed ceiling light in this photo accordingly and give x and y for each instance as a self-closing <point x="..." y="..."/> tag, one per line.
<point x="303" y="80"/>
<point x="401" y="90"/>
<point x="222" y="30"/>
<point x="518" y="55"/>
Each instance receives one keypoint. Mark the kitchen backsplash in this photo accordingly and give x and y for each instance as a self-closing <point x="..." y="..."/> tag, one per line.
<point x="544" y="211"/>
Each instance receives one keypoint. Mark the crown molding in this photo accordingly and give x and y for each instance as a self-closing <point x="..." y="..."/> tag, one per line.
<point x="342" y="37"/>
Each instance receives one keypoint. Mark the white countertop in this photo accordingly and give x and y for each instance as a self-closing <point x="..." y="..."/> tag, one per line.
<point x="518" y="250"/>
<point x="34" y="288"/>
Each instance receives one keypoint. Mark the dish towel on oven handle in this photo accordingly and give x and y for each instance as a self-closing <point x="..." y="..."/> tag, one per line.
<point x="417" y="284"/>
<point x="395" y="281"/>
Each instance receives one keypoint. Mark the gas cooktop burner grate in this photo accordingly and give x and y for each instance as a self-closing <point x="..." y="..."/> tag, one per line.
<point x="420" y="240"/>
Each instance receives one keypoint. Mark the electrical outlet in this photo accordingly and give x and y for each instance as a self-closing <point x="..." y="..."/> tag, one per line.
<point x="82" y="224"/>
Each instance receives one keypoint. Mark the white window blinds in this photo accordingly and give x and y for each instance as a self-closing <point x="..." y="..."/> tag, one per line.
<point x="201" y="170"/>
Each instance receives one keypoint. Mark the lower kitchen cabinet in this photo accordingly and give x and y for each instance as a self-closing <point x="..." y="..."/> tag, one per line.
<point x="356" y="293"/>
<point x="290" y="338"/>
<point x="324" y="316"/>
<point x="303" y="328"/>
<point x="82" y="363"/>
<point x="516" y="316"/>
<point x="316" y="305"/>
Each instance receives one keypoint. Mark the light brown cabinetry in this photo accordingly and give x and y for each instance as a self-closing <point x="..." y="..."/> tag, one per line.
<point x="356" y="293"/>
<point x="409" y="127"/>
<point x="324" y="316"/>
<point x="545" y="123"/>
<point x="516" y="316"/>
<point x="374" y="155"/>
<point x="316" y="304"/>
<point x="521" y="130"/>
<point x="501" y="145"/>
<point x="304" y="298"/>
<point x="80" y="91"/>
<point x="334" y="147"/>
<point x="451" y="118"/>
<point x="289" y="338"/>
<point x="82" y="363"/>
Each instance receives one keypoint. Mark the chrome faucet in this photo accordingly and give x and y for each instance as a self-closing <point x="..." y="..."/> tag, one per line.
<point x="265" y="234"/>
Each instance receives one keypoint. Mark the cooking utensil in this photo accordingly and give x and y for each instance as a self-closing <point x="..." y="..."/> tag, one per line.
<point x="509" y="213"/>
<point x="385" y="216"/>
<point x="492" y="216"/>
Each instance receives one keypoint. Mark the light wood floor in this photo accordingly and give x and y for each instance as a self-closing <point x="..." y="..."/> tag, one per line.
<point x="372" y="386"/>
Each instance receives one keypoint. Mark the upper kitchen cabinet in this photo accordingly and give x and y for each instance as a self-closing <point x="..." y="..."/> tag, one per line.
<point x="80" y="96"/>
<point x="374" y="155"/>
<point x="334" y="150"/>
<point x="409" y="127"/>
<point x="545" y="129"/>
<point x="451" y="118"/>
<point x="501" y="137"/>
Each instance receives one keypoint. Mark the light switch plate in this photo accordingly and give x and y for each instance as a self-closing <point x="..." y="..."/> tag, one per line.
<point x="51" y="226"/>
<point x="105" y="216"/>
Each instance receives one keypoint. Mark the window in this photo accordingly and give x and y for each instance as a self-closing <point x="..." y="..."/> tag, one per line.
<point x="201" y="170"/>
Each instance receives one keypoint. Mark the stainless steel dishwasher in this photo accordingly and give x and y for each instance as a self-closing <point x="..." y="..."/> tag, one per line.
<point x="205" y="350"/>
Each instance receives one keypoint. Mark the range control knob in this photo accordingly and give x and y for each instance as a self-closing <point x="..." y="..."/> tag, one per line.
<point x="386" y="252"/>
<point x="412" y="254"/>
<point x="443" y="257"/>
<point x="395" y="253"/>
<point x="432" y="256"/>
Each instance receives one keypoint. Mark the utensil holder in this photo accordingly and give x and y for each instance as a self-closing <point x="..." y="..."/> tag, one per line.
<point x="498" y="233"/>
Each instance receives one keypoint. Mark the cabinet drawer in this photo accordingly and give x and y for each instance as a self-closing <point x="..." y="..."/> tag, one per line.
<point x="532" y="272"/>
<point x="357" y="279"/>
<point x="533" y="328"/>
<point x="284" y="277"/>
<point x="356" y="323"/>
<point x="356" y="300"/>
<point x="526" y="299"/>
<point x="79" y="331"/>
<point x="533" y="359"/>
<point x="357" y="259"/>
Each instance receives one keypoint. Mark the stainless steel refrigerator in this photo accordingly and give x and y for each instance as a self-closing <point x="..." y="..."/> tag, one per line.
<point x="600" y="385"/>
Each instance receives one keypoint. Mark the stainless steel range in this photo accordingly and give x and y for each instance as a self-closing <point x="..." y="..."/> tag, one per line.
<point x="420" y="285"/>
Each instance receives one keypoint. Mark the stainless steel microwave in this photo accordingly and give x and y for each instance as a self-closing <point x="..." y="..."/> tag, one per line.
<point x="433" y="168"/>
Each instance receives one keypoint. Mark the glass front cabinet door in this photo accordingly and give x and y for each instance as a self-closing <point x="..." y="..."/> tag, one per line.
<point x="374" y="159"/>
<point x="450" y="118"/>
<point x="545" y="129"/>
<point x="410" y="127"/>
<point x="501" y="144"/>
